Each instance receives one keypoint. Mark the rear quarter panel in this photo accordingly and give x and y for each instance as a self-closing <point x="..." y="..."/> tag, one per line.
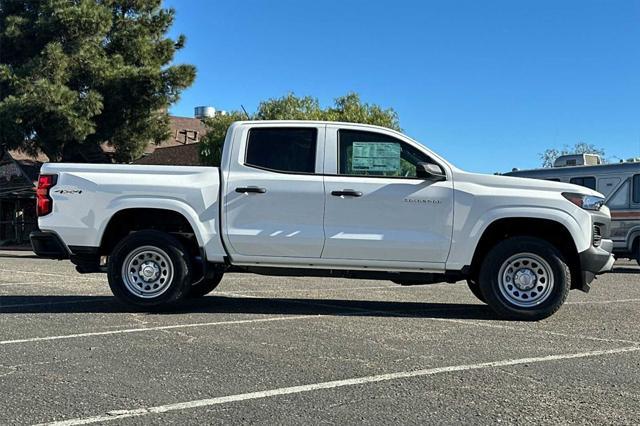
<point x="87" y="196"/>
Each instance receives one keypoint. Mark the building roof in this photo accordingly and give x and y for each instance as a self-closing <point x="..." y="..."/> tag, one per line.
<point x="19" y="155"/>
<point x="181" y="155"/>
<point x="182" y="131"/>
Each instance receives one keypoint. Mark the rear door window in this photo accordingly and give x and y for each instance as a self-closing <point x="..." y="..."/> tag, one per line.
<point x="285" y="150"/>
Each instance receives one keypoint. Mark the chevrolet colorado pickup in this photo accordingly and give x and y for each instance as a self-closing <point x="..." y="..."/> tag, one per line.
<point x="303" y="198"/>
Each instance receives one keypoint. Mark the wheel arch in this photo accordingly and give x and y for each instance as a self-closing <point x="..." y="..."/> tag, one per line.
<point x="553" y="231"/>
<point x="633" y="239"/>
<point x="130" y="219"/>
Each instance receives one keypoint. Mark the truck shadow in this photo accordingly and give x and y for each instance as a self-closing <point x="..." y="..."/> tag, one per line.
<point x="253" y="305"/>
<point x="625" y="270"/>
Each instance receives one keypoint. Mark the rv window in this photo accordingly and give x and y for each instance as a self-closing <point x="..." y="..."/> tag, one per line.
<point x="636" y="188"/>
<point x="589" y="181"/>
<point x="620" y="200"/>
<point x="553" y="179"/>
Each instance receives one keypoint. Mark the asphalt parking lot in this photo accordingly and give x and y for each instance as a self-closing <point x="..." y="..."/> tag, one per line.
<point x="294" y="350"/>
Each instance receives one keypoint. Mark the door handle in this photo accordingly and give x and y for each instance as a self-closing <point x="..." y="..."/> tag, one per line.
<point x="251" y="189"/>
<point x="346" y="193"/>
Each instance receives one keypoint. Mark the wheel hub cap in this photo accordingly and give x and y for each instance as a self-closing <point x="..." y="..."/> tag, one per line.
<point x="147" y="272"/>
<point x="525" y="280"/>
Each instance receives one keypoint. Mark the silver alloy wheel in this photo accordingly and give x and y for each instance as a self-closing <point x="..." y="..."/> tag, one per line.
<point x="525" y="280"/>
<point x="147" y="272"/>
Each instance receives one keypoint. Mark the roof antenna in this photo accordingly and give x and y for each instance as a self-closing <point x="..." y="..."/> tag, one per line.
<point x="245" y="112"/>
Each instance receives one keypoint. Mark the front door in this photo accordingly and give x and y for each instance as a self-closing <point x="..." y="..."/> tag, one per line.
<point x="274" y="194"/>
<point x="376" y="207"/>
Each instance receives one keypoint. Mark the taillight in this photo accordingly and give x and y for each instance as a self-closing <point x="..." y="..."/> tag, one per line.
<point x="44" y="201"/>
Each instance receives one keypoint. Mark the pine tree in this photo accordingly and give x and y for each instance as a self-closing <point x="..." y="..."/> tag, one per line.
<point x="87" y="72"/>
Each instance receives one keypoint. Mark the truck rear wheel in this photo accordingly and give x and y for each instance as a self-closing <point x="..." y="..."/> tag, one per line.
<point x="205" y="286"/>
<point x="525" y="278"/>
<point x="149" y="269"/>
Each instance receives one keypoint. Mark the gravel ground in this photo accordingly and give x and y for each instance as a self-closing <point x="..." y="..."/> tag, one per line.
<point x="309" y="350"/>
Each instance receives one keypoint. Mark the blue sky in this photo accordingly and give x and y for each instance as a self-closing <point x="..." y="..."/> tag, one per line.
<point x="486" y="84"/>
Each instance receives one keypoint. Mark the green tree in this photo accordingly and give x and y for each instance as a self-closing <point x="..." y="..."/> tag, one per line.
<point x="211" y="143"/>
<point x="348" y="108"/>
<point x="87" y="72"/>
<point x="549" y="156"/>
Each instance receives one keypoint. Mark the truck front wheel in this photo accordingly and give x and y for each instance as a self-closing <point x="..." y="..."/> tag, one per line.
<point x="524" y="278"/>
<point x="149" y="269"/>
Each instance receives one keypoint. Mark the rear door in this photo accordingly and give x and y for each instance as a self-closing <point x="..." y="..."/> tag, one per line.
<point x="376" y="207"/>
<point x="274" y="193"/>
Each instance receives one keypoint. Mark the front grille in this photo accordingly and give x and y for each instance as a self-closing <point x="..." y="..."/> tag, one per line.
<point x="597" y="235"/>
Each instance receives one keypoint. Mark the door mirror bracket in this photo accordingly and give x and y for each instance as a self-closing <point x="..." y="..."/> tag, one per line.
<point x="430" y="171"/>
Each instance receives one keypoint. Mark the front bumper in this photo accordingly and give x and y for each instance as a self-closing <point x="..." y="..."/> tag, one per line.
<point x="595" y="261"/>
<point x="48" y="245"/>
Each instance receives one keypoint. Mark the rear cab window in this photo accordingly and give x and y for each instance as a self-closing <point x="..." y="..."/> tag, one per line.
<point x="283" y="150"/>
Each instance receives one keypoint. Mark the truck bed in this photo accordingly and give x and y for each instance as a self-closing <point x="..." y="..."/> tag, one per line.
<point x="86" y="196"/>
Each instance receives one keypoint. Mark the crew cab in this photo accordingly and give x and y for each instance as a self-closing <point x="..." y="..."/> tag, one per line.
<point x="306" y="198"/>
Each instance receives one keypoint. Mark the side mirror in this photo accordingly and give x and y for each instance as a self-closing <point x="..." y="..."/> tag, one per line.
<point x="430" y="171"/>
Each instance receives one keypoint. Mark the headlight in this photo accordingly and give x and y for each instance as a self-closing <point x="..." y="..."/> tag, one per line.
<point x="587" y="202"/>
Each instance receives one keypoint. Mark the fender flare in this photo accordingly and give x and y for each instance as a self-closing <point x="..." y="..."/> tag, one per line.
<point x="120" y="204"/>
<point x="466" y="249"/>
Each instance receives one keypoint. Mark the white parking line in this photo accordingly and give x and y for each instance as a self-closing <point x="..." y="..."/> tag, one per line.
<point x="5" y="284"/>
<point x="602" y="302"/>
<point x="450" y="320"/>
<point x="63" y="302"/>
<point x="309" y="302"/>
<point x="50" y="274"/>
<point x="530" y="330"/>
<point x="122" y="414"/>
<point x="146" y="329"/>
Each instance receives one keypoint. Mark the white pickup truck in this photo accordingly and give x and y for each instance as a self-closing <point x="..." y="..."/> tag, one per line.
<point x="304" y="198"/>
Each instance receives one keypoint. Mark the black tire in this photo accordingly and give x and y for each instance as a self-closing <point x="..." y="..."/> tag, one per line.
<point x="205" y="286"/>
<point x="173" y="257"/>
<point x="550" y="286"/>
<point x="475" y="289"/>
